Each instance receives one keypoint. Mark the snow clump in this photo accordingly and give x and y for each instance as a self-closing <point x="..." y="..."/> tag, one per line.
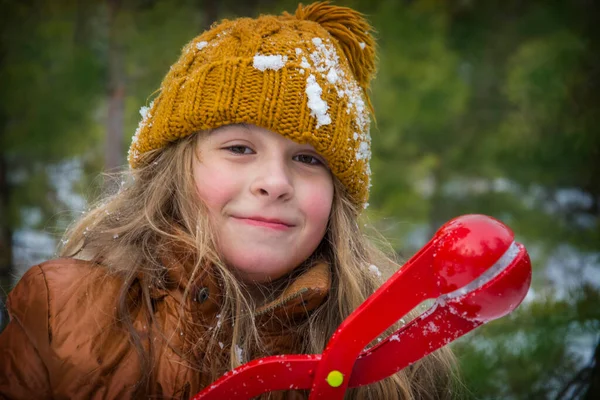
<point x="145" y="113"/>
<point x="374" y="270"/>
<point x="275" y="62"/>
<point x="326" y="63"/>
<point x="318" y="107"/>
<point x="239" y="353"/>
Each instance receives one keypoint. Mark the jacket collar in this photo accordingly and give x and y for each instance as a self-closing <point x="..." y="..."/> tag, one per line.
<point x="304" y="293"/>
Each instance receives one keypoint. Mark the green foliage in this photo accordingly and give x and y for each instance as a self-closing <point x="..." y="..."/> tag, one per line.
<point x="418" y="96"/>
<point x="482" y="108"/>
<point x="52" y="81"/>
<point x="526" y="356"/>
<point x="151" y="43"/>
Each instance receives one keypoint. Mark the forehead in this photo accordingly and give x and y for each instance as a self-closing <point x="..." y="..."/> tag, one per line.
<point x="236" y="128"/>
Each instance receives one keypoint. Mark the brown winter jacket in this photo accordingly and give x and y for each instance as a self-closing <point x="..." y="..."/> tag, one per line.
<point x="61" y="342"/>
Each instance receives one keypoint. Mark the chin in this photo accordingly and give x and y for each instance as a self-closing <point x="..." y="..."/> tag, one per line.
<point x="260" y="269"/>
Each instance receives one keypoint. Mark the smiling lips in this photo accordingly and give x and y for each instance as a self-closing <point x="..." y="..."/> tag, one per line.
<point x="266" y="222"/>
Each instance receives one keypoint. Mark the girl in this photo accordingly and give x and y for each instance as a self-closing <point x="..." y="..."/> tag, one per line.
<point x="234" y="237"/>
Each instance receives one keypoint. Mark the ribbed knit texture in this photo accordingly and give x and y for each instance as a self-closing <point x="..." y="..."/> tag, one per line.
<point x="304" y="76"/>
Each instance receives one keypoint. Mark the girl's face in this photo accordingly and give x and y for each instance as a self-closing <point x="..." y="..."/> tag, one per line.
<point x="269" y="198"/>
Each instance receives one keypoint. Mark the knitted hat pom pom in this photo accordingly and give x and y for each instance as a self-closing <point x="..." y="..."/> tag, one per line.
<point x="351" y="30"/>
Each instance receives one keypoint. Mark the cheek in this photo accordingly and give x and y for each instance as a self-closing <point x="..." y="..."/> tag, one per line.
<point x="212" y="185"/>
<point x="317" y="205"/>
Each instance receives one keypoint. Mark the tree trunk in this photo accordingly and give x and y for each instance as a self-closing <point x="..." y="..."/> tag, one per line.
<point x="593" y="391"/>
<point x="6" y="251"/>
<point x="211" y="12"/>
<point x="114" y="157"/>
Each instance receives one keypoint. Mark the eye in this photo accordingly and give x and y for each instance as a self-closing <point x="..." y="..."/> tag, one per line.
<point x="308" y="159"/>
<point x="239" y="149"/>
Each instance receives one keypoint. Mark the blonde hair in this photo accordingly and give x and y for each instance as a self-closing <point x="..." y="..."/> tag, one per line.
<point x="157" y="209"/>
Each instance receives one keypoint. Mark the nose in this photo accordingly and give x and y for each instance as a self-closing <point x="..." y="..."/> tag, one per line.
<point x="273" y="180"/>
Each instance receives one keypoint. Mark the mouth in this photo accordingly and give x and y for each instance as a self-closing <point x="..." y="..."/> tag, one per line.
<point x="265" y="222"/>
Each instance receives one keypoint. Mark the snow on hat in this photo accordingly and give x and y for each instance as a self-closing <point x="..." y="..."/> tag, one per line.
<point x="305" y="76"/>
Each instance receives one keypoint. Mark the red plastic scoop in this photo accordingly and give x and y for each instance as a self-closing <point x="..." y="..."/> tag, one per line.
<point x="472" y="267"/>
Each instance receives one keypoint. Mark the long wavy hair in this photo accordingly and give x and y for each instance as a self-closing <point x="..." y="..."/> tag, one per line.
<point x="155" y="208"/>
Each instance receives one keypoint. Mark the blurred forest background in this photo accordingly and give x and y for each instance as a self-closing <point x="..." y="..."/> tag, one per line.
<point x="482" y="107"/>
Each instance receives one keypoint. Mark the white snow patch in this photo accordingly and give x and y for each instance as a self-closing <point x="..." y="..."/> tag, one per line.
<point x="317" y="105"/>
<point x="274" y="62"/>
<point x="239" y="353"/>
<point x="325" y="61"/>
<point x="362" y="45"/>
<point x="332" y="76"/>
<point x="304" y="64"/>
<point x="364" y="151"/>
<point x="374" y="270"/>
<point x="145" y="113"/>
<point x="201" y="45"/>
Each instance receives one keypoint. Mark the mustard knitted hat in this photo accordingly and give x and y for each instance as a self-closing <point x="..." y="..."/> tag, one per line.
<point x="304" y="76"/>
